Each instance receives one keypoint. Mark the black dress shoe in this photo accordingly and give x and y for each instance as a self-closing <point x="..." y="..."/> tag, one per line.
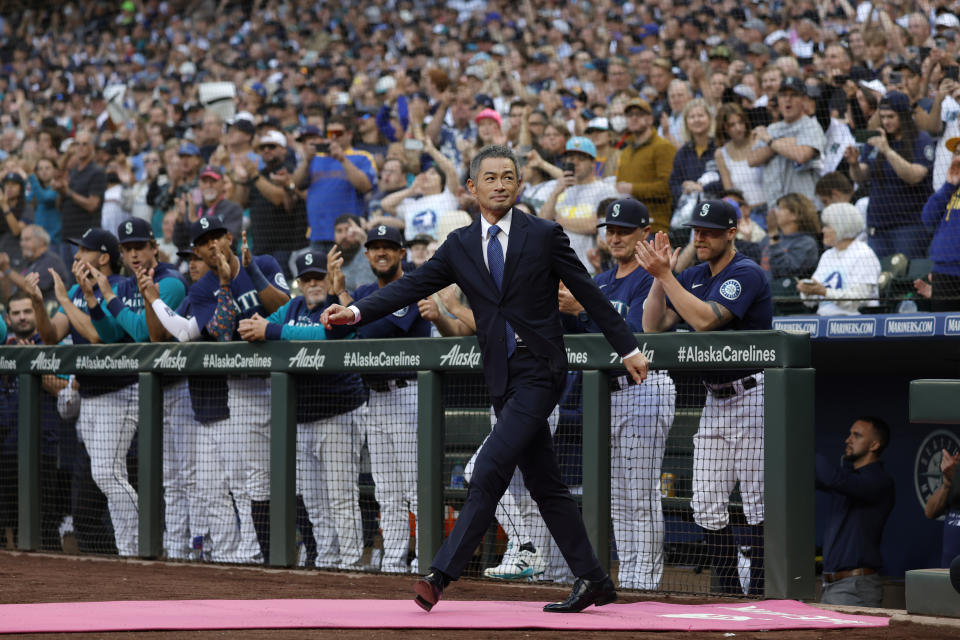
<point x="584" y="594"/>
<point x="429" y="588"/>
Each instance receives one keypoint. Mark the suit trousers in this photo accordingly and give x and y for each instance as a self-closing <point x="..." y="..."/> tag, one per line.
<point x="520" y="439"/>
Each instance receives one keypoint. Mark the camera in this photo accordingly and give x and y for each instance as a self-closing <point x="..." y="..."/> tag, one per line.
<point x="412" y="144"/>
<point x="322" y="147"/>
<point x="951" y="72"/>
<point x="567" y="167"/>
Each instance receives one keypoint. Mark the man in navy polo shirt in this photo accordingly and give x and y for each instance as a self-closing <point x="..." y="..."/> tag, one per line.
<point x="727" y="291"/>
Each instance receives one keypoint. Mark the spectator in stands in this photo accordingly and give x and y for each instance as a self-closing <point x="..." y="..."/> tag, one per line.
<point x="553" y="142"/>
<point x="43" y="197"/>
<point x="861" y="495"/>
<point x="539" y="179"/>
<point x="694" y="176"/>
<point x="835" y="187"/>
<point x="574" y="199"/>
<point x="734" y="141"/>
<point x="37" y="258"/>
<point x="598" y="130"/>
<point x="349" y="236"/>
<point x="790" y="150"/>
<point x="214" y="202"/>
<point x="941" y="214"/>
<point x="848" y="273"/>
<point x="15" y="213"/>
<point x="646" y="162"/>
<point x="790" y="249"/>
<point x="423" y="204"/>
<point x="390" y="180"/>
<point x="897" y="163"/>
<point x="336" y="177"/>
<point x="945" y="501"/>
<point x="278" y="221"/>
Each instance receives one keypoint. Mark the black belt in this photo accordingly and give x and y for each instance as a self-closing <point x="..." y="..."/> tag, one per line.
<point x="383" y="386"/>
<point x="729" y="389"/>
<point x="621" y="382"/>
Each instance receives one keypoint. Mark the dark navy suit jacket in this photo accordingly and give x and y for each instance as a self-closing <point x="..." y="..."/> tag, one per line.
<point x="538" y="258"/>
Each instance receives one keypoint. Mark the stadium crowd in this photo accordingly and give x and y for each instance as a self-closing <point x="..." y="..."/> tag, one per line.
<point x="313" y="129"/>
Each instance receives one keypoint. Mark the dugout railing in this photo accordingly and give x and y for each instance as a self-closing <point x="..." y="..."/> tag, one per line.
<point x="788" y="410"/>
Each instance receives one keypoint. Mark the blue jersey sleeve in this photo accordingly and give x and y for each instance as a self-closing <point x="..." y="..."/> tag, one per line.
<point x="103" y="321"/>
<point x="293" y="332"/>
<point x="202" y="299"/>
<point x="272" y="272"/>
<point x="172" y="292"/>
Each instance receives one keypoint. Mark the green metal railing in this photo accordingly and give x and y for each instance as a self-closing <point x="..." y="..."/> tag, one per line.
<point x="788" y="410"/>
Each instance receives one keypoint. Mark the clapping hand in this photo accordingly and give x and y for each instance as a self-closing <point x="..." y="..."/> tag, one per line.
<point x="245" y="249"/>
<point x="59" y="289"/>
<point x="148" y="288"/>
<point x="31" y="284"/>
<point x="655" y="256"/>
<point x="948" y="464"/>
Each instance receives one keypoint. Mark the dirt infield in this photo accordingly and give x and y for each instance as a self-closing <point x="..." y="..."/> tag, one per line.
<point x="28" y="578"/>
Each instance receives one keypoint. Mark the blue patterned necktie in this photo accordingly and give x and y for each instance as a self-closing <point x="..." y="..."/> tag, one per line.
<point x="495" y="260"/>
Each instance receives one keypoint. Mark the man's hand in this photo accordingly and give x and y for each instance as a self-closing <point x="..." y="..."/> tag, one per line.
<point x="923" y="286"/>
<point x="568" y="304"/>
<point x="637" y="366"/>
<point x="337" y="314"/>
<point x="223" y="268"/>
<point x="59" y="289"/>
<point x="948" y="465"/>
<point x="625" y="187"/>
<point x="81" y="273"/>
<point x="813" y="288"/>
<point x="148" y="288"/>
<point x="31" y="284"/>
<point x="253" y="329"/>
<point x="429" y="310"/>
<point x="656" y="257"/>
<point x="245" y="249"/>
<point x="336" y="152"/>
<point x="101" y="280"/>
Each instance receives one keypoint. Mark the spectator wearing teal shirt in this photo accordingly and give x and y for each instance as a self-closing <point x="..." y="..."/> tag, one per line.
<point x="43" y="197"/>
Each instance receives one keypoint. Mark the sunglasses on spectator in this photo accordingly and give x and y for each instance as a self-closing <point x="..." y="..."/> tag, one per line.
<point x="269" y="146"/>
<point x="335" y="133"/>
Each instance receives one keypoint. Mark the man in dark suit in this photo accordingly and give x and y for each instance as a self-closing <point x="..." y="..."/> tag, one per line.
<point x="521" y="337"/>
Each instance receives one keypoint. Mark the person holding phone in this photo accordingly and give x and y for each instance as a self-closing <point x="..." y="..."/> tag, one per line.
<point x="574" y="199"/>
<point x="336" y="177"/>
<point x="897" y="163"/>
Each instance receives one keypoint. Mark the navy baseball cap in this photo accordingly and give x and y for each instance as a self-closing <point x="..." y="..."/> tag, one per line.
<point x="385" y="233"/>
<point x="312" y="262"/>
<point x="895" y="101"/>
<point x="98" y="240"/>
<point x="793" y="83"/>
<point x="188" y="255"/>
<point x="310" y="130"/>
<point x="135" y="230"/>
<point x="203" y="226"/>
<point x="714" y="214"/>
<point x="626" y="212"/>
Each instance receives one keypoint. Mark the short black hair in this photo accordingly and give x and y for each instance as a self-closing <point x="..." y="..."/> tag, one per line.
<point x="347" y="217"/>
<point x="493" y="151"/>
<point x="19" y="294"/>
<point x="443" y="176"/>
<point x="880" y="428"/>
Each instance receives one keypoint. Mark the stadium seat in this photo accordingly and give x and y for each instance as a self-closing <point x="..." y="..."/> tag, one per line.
<point x="786" y="299"/>
<point x="896" y="264"/>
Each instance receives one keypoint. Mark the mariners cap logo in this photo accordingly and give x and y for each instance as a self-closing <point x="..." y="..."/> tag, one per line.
<point x="204" y="223"/>
<point x="382" y="230"/>
<point x="308" y="259"/>
<point x="705" y="210"/>
<point x="128" y="228"/>
<point x="616" y="210"/>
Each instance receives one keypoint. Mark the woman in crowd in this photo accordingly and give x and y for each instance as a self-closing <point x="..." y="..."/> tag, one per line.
<point x="790" y="248"/>
<point x="941" y="214"/>
<point x="897" y="163"/>
<point x="15" y="214"/>
<point x="847" y="275"/>
<point x="734" y="142"/>
<point x="43" y="198"/>
<point x="694" y="169"/>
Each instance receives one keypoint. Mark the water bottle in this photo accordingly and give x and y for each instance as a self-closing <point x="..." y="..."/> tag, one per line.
<point x="907" y="305"/>
<point x="456" y="478"/>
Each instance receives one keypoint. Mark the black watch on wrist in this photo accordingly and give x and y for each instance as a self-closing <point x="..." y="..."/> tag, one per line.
<point x="583" y="317"/>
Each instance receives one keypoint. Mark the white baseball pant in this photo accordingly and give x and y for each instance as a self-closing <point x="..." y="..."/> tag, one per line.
<point x="728" y="447"/>
<point x="328" y="462"/>
<point x="390" y="427"/>
<point x="183" y="516"/>
<point x="106" y="425"/>
<point x="640" y="420"/>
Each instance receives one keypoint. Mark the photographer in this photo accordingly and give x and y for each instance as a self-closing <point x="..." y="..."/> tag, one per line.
<point x="336" y="177"/>
<point x="278" y="222"/>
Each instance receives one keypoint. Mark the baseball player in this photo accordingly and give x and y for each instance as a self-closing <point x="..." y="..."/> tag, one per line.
<point x="230" y="291"/>
<point x="216" y="531"/>
<point x="640" y="415"/>
<point x="726" y="291"/>
<point x="391" y="421"/>
<point x="110" y="406"/>
<point x="138" y="248"/>
<point x="330" y="411"/>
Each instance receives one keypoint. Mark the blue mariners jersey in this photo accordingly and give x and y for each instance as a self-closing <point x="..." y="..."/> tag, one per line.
<point x="331" y="194"/>
<point x="402" y="323"/>
<point x="203" y="294"/>
<point x="626" y="295"/>
<point x="741" y="287"/>
<point x="97" y="385"/>
<point x="208" y="394"/>
<point x="325" y="395"/>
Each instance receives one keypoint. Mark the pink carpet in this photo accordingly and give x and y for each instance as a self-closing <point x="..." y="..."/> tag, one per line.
<point x="160" y="615"/>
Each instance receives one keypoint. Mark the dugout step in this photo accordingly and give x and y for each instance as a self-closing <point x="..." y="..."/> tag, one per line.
<point x="929" y="592"/>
